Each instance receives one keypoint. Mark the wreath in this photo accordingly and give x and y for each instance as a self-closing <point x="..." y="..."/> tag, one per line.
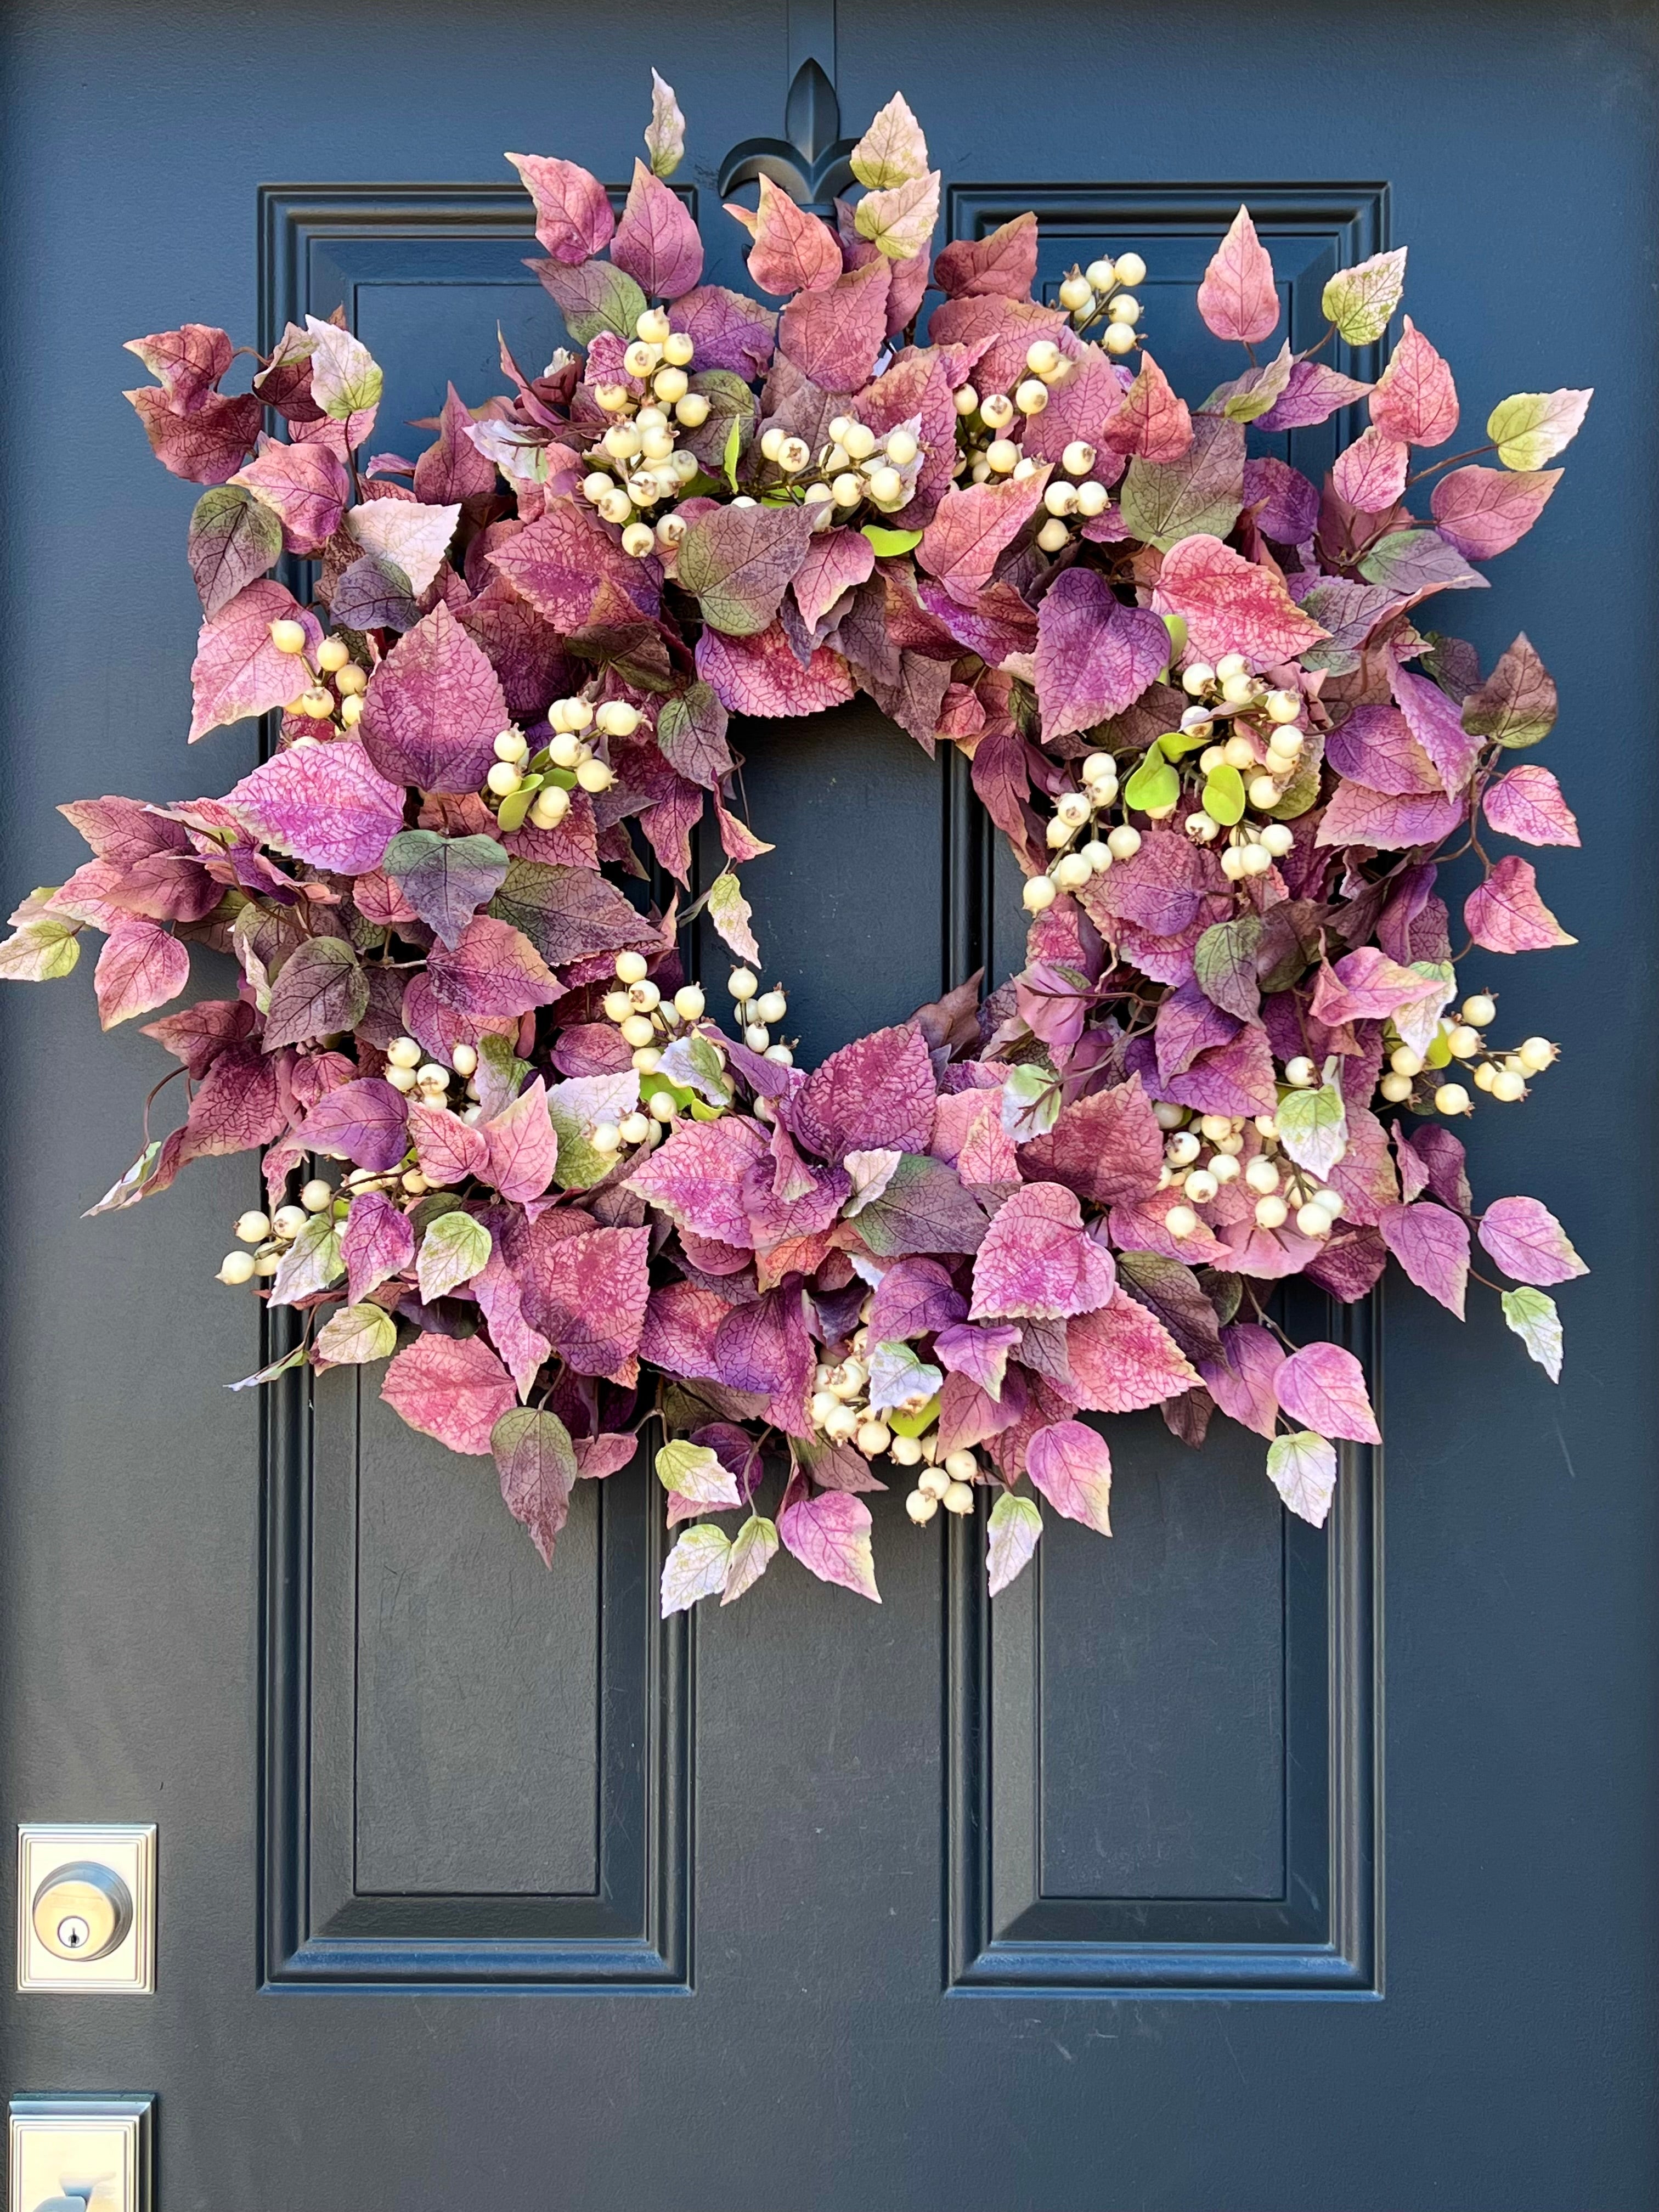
<point x="1198" y="698"/>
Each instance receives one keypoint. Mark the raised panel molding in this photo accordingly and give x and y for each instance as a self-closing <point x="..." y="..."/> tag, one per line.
<point x="321" y="1927"/>
<point x="1005" y="1932"/>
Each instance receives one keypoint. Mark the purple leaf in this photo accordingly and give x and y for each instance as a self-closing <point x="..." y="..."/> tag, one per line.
<point x="656" y="240"/>
<point x="1313" y="395"/>
<point x="237" y="1106"/>
<point x="324" y="804"/>
<point x="829" y="1534"/>
<point x="453" y="1388"/>
<point x="1286" y="504"/>
<point x="1094" y="656"/>
<point x="1106" y="1148"/>
<point x="924" y="1208"/>
<point x="453" y="469"/>
<point x="492" y="968"/>
<point x="913" y="1297"/>
<point x="565" y="562"/>
<point x="1375" y="746"/>
<point x="876" y="1092"/>
<point x="1529" y="1243"/>
<point x="1242" y="1382"/>
<point x="448" y="1150"/>
<point x="979" y="1353"/>
<point x="1435" y="722"/>
<point x="374" y="594"/>
<point x="536" y="1463"/>
<point x="319" y="989"/>
<point x="444" y="879"/>
<point x="1411" y="563"/>
<point x="697" y="1177"/>
<point x="365" y="1122"/>
<point x="1483" y="512"/>
<point x="737" y="563"/>
<point x="691" y="735"/>
<point x="761" y="675"/>
<point x="1516" y="704"/>
<point x="1432" y="1246"/>
<point x="377" y="1242"/>
<point x="1072" y="1466"/>
<point x="973" y="527"/>
<point x="206" y="446"/>
<point x="234" y="540"/>
<point x="1325" y="1384"/>
<point x="1527" y="803"/>
<point x="1036" y="1260"/>
<point x="1506" y="915"/>
<point x="586" y="1293"/>
<point x="729" y="330"/>
<point x="434" y="708"/>
<point x="305" y="486"/>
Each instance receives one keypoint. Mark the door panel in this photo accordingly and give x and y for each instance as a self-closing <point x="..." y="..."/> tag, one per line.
<point x="478" y="1884"/>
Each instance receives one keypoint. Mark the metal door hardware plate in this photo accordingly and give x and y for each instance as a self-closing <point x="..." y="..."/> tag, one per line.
<point x="86" y="1907"/>
<point x="95" y="2152"/>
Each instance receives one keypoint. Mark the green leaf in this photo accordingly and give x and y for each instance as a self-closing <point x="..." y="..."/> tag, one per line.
<point x="1312" y="1125"/>
<point x="290" y="1360"/>
<point x="692" y="1472"/>
<point x="595" y="296"/>
<point x="1164" y="501"/>
<point x="696" y="1567"/>
<point x="1531" y="428"/>
<point x="356" y="1336"/>
<point x="346" y="377"/>
<point x="892" y="541"/>
<point x="452" y="1253"/>
<point x="1154" y="784"/>
<point x="577" y="1166"/>
<point x="1016" y="1525"/>
<point x="310" y="1263"/>
<point x="1176" y="744"/>
<point x="1301" y="1468"/>
<point x="1224" y="964"/>
<point x="1516" y="705"/>
<point x="40" y="950"/>
<point x="1033" y="1091"/>
<point x="753" y="1550"/>
<point x="1224" y="795"/>
<point x="1532" y="1314"/>
<point x="733" y="449"/>
<point x="510" y="815"/>
<point x="730" y="913"/>
<point x="1360" y="300"/>
<point x="1176" y="626"/>
<point x="914" y="1424"/>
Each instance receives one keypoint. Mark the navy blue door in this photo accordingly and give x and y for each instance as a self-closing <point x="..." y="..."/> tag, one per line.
<point x="1227" y="1865"/>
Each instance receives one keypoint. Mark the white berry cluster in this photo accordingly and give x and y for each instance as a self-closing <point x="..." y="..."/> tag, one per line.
<point x="270" y="1235"/>
<point x="636" y="463"/>
<point x="1081" y="843"/>
<point x="536" y="787"/>
<point x="908" y="1434"/>
<point x="1264" y="745"/>
<point x="1103" y="289"/>
<point x="857" y="467"/>
<point x="1502" y="1075"/>
<point x="759" y="1012"/>
<point x="1203" y="1151"/>
<point x="648" y="1022"/>
<point x="337" y="685"/>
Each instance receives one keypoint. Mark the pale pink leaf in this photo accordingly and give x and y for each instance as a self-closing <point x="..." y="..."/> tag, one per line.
<point x="1324" y="1384"/>
<point x="1072" y="1466"/>
<point x="1529" y="1243"/>
<point x="1237" y="298"/>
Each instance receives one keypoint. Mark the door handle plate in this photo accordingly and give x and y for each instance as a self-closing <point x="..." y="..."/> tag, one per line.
<point x="86" y="1907"/>
<point x="95" y="2152"/>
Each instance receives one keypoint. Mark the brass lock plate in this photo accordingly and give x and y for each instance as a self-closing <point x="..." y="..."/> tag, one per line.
<point x="95" y="2152"/>
<point x="86" y="1907"/>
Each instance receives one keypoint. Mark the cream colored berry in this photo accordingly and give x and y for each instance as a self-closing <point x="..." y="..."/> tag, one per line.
<point x="1038" y="895"/>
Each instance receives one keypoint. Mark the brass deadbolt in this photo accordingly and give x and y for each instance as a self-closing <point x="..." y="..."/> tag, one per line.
<point x="82" y="1911"/>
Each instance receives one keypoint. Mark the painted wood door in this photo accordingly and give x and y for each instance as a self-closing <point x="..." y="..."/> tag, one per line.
<point x="1223" y="1865"/>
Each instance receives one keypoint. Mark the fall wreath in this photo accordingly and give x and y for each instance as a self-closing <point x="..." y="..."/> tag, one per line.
<point x="1199" y="699"/>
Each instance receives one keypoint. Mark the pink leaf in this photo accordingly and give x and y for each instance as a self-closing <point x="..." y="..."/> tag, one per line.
<point x="832" y="334"/>
<point x="1004" y="263"/>
<point x="1325" y="1386"/>
<point x="1121" y="1358"/>
<point x="1527" y="803"/>
<point x="1370" y="474"/>
<point x="1435" y="722"/>
<point x="237" y="670"/>
<point x="697" y="1177"/>
<point x="1237" y="298"/>
<point x="1358" y="816"/>
<point x="587" y="1296"/>
<point x="453" y="1388"/>
<point x="1483" y="512"/>
<point x="830" y="1536"/>
<point x="879" y="1091"/>
<point x="446" y="1149"/>
<point x="1036" y="1260"/>
<point x="1432" y="1245"/>
<point x="521" y="1145"/>
<point x="493" y="969"/>
<point x="1375" y="746"/>
<point x="1506" y="915"/>
<point x="793" y="250"/>
<point x="306" y="487"/>
<point x="761" y="675"/>
<point x="656" y="240"/>
<point x="1415" y="399"/>
<point x="1529" y="1243"/>
<point x="1152" y="421"/>
<point x="835" y="561"/>
<point x="1107" y="1147"/>
<point x="962" y="545"/>
<point x="573" y="208"/>
<point x="1072" y="1466"/>
<point x="538" y="1466"/>
<point x="324" y="804"/>
<point x="1230" y="605"/>
<point x="141" y="966"/>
